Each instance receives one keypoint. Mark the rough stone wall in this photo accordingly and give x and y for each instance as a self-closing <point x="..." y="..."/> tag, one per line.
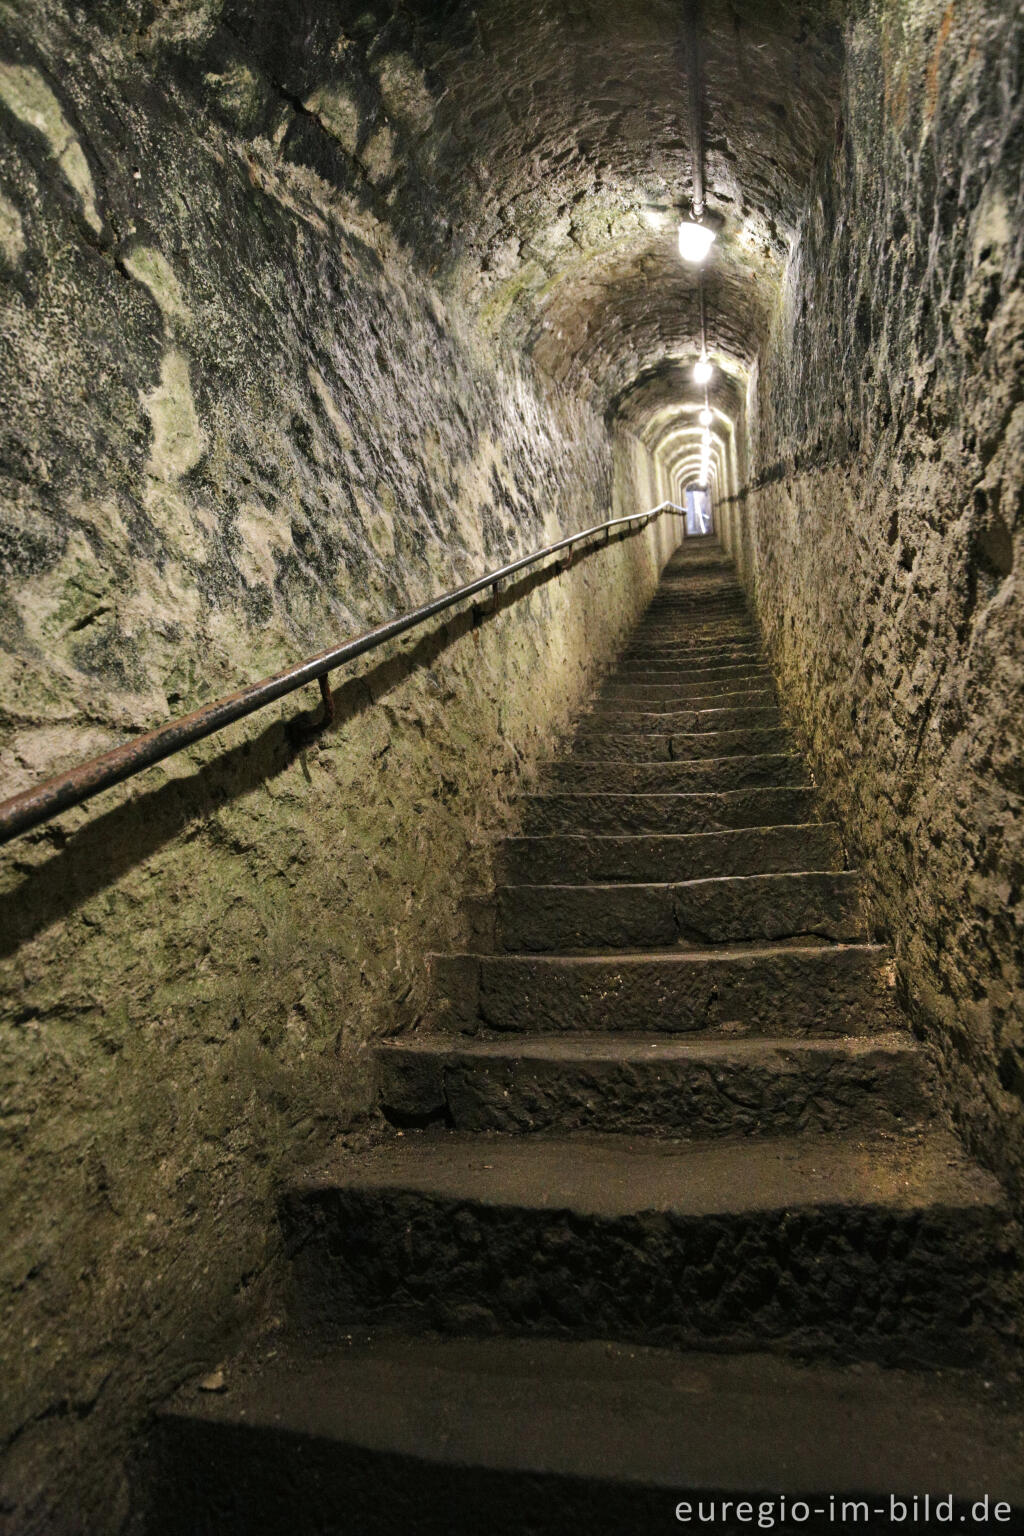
<point x="238" y="424"/>
<point x="885" y="522"/>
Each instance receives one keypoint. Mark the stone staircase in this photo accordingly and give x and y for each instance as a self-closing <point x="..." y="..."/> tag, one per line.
<point x="668" y="1213"/>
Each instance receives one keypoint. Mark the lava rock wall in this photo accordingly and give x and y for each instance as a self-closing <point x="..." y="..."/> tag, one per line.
<point x="239" y="424"/>
<point x="883" y="531"/>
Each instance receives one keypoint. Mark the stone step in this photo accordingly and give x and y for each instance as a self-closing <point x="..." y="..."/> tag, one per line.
<point x="686" y="689"/>
<point x="466" y="1436"/>
<point x="687" y="613"/>
<point x="693" y="591"/>
<point x="662" y="676"/>
<point x="696" y="655"/>
<point x="700" y="1087"/>
<point x="689" y="608"/>
<point x="685" y="608"/>
<point x="690" y="597"/>
<point x="687" y="589"/>
<point x="688" y="623"/>
<point x="625" y="701"/>
<point x="689" y="603"/>
<point x="558" y="859"/>
<point x="707" y="1244"/>
<point x="744" y="771"/>
<point x="662" y="660"/>
<point x="540" y="919"/>
<point x="705" y="575"/>
<point x="680" y="746"/>
<point x="692" y="621"/>
<point x="682" y="814"/>
<point x="681" y="655"/>
<point x="662" y="672"/>
<point x="765" y="989"/>
<point x="715" y="717"/>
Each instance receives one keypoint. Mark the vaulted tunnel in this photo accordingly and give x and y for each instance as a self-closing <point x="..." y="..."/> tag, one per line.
<point x="311" y="312"/>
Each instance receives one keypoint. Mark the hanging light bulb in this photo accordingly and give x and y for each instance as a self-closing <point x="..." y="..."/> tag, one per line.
<point x="695" y="240"/>
<point x="702" y="370"/>
<point x="705" y="418"/>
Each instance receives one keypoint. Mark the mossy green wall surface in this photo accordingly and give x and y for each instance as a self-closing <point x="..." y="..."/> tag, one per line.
<point x="239" y="424"/>
<point x="884" y="530"/>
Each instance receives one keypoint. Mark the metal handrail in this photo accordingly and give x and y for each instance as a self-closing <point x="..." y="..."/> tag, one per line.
<point x="23" y="812"/>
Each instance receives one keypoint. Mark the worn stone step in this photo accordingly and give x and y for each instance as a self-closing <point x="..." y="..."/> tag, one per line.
<point x="680" y="655"/>
<point x="690" y="621"/>
<point x="675" y="631"/>
<point x="713" y="717"/>
<point x="690" y="603"/>
<point x="684" y="578"/>
<point x="466" y="1436"/>
<point x="698" y="594"/>
<point x="574" y="814"/>
<point x="693" y="623"/>
<point x="695" y="611"/>
<point x="685" y="688"/>
<point x="696" y="626"/>
<point x="766" y="989"/>
<point x="698" y="602"/>
<point x="661" y="658"/>
<point x="689" y="613"/>
<point x="688" y="591"/>
<point x="698" y="1244"/>
<point x="722" y="910"/>
<point x="559" y="859"/>
<point x="627" y="701"/>
<point x="642" y="1085"/>
<point x="742" y="771"/>
<point x="662" y="672"/>
<point x="676" y="673"/>
<point x="697" y="655"/>
<point x="680" y="746"/>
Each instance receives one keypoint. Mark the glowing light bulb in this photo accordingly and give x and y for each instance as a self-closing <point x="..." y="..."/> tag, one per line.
<point x="705" y="418"/>
<point x="695" y="241"/>
<point x="702" y="371"/>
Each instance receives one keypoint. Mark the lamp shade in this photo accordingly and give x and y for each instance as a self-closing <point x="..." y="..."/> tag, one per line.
<point x="694" y="241"/>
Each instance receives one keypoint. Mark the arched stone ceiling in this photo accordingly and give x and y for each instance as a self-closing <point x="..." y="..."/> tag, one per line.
<point x="650" y="405"/>
<point x="524" y="147"/>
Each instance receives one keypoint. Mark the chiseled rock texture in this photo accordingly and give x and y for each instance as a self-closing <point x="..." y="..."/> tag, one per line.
<point x="884" y="531"/>
<point x="238" y="425"/>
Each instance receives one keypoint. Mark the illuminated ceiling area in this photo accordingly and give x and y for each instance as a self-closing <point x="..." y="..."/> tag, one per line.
<point x="662" y="409"/>
<point x="539" y="159"/>
<point x="583" y="163"/>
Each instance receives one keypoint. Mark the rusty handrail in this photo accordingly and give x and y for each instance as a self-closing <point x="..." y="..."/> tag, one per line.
<point x="23" y="812"/>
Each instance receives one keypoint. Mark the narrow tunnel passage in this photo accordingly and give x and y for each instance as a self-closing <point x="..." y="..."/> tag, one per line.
<point x="312" y="312"/>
